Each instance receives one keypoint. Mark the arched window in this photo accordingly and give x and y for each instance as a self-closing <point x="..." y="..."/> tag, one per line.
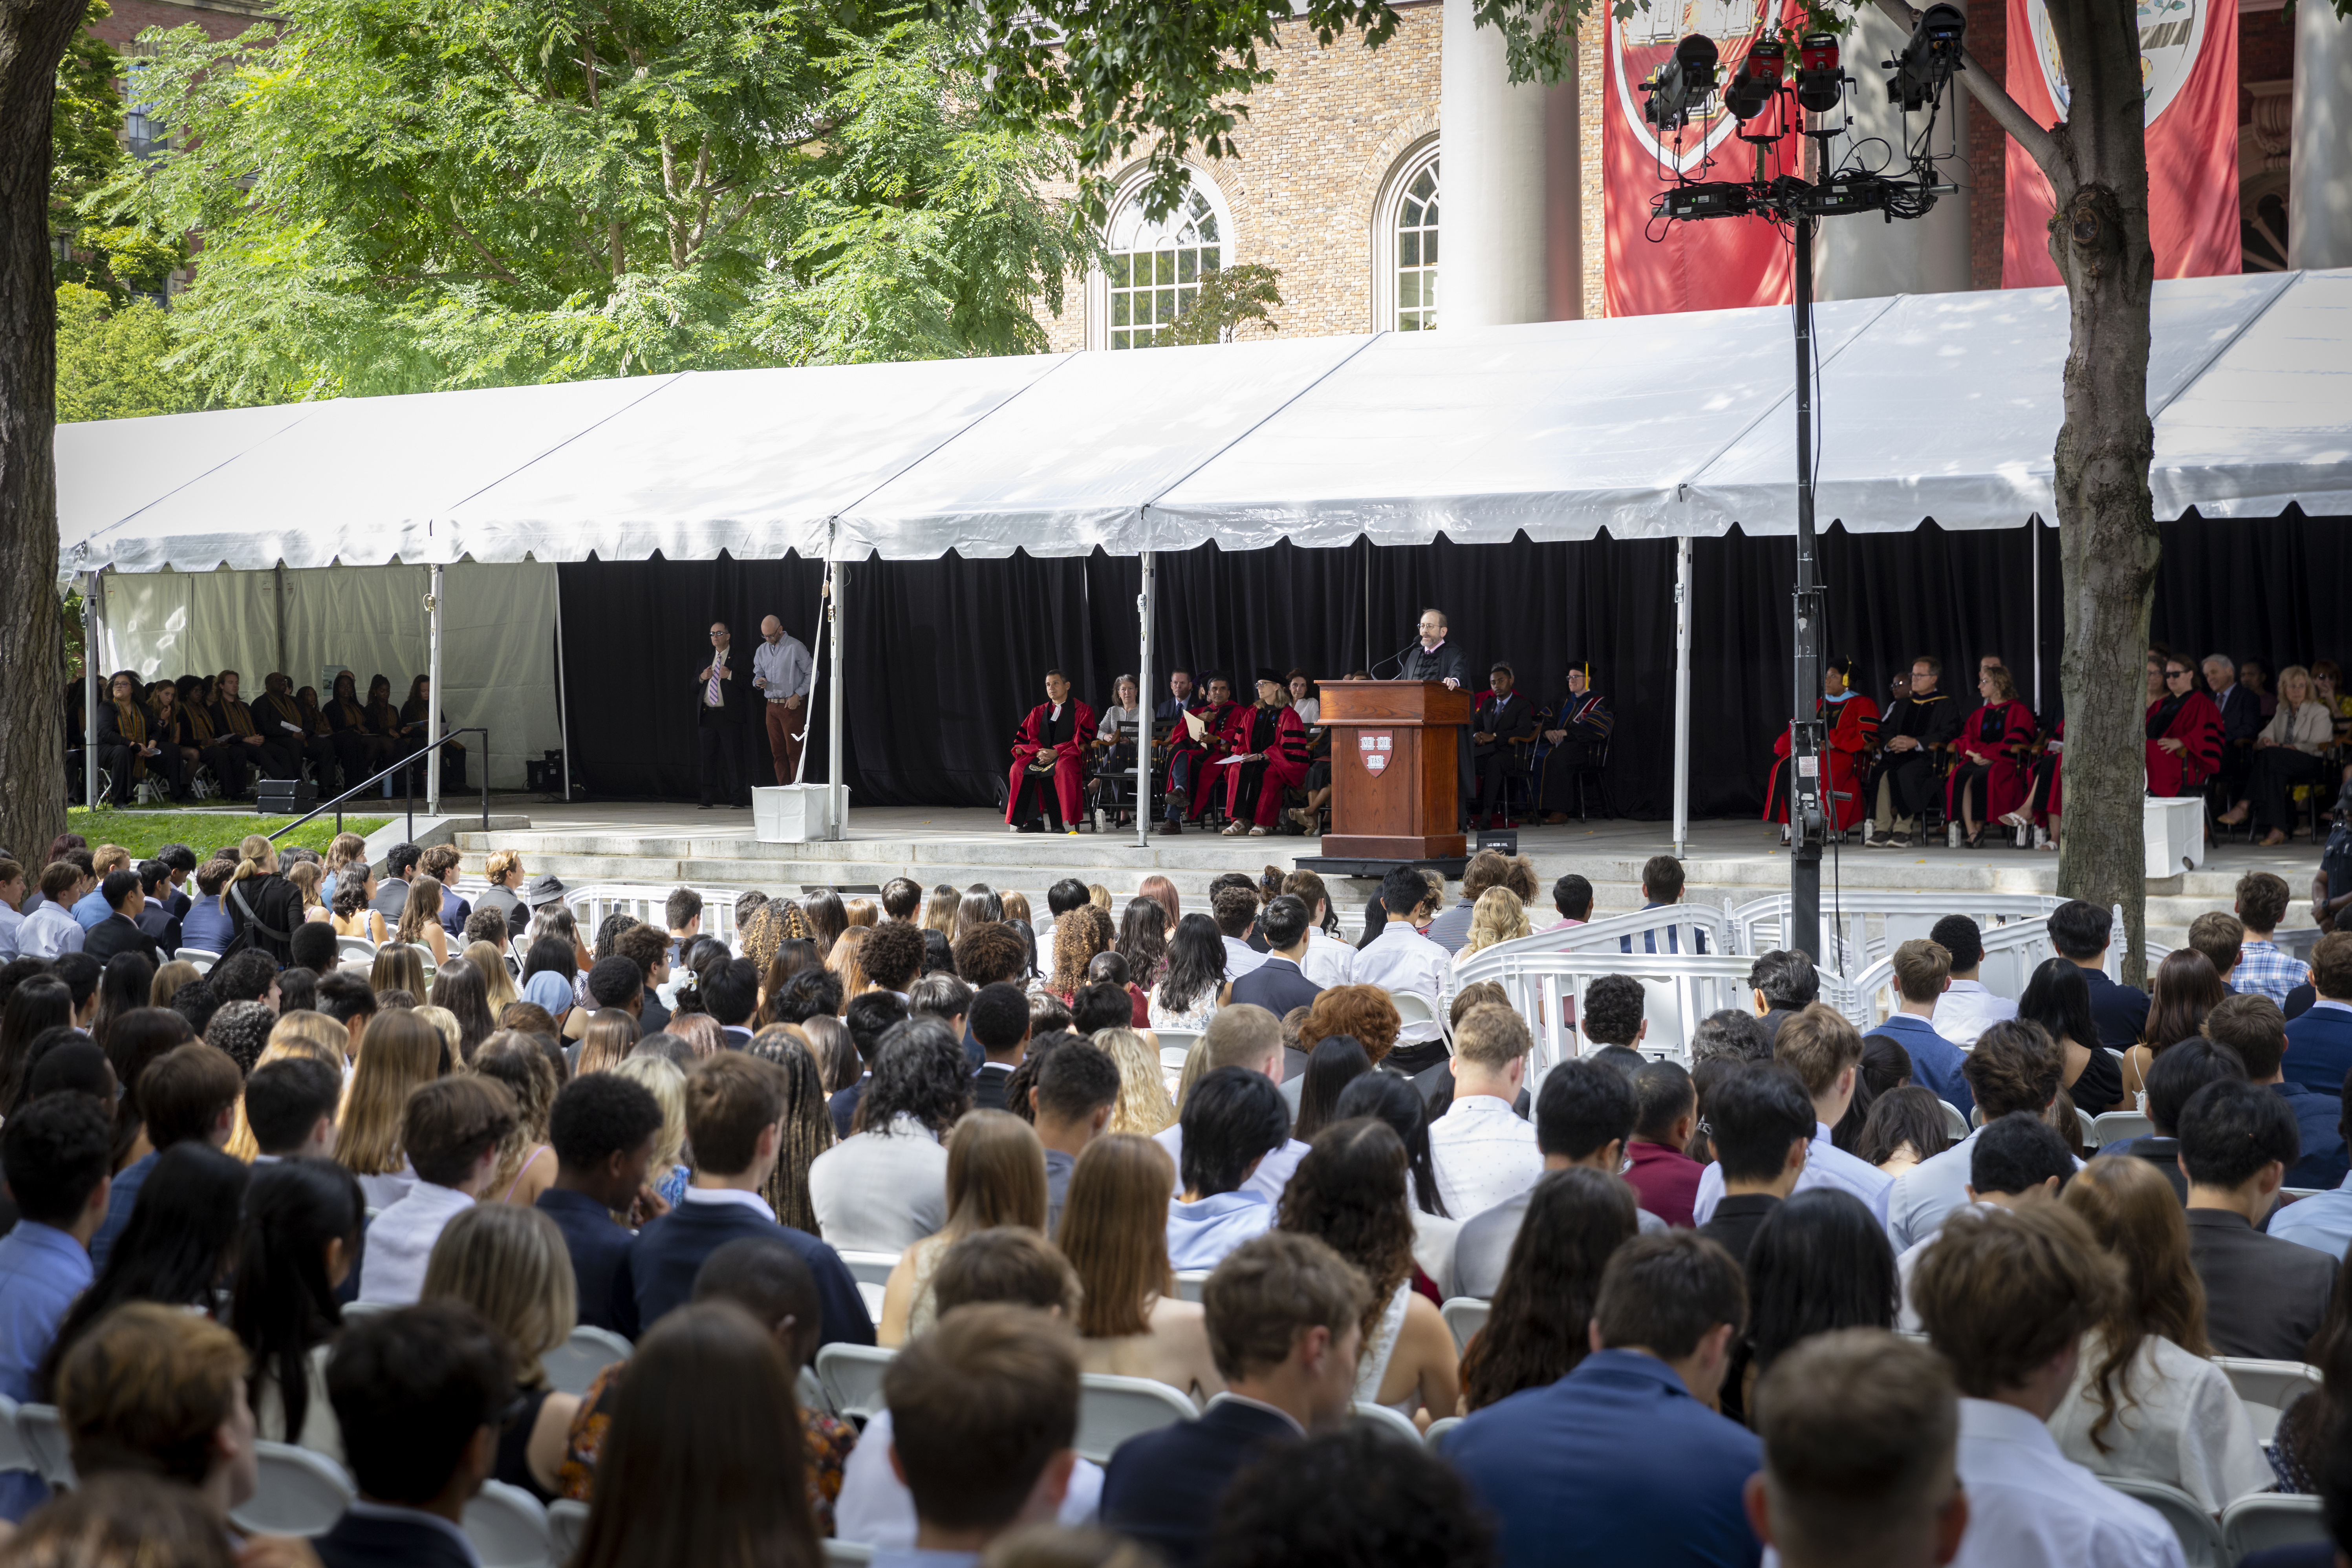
<point x="1156" y="268"/>
<point x="1404" y="243"/>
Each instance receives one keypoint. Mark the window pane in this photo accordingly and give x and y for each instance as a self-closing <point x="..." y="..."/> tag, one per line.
<point x="1407" y="250"/>
<point x="1188" y="266"/>
<point x="1118" y="309"/>
<point x="1119" y="271"/>
<point x="1408" y="291"/>
<point x="1184" y="298"/>
<point x="1165" y="308"/>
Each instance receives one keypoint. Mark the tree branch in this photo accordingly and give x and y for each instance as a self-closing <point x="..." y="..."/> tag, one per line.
<point x="2039" y="144"/>
<point x="463" y="233"/>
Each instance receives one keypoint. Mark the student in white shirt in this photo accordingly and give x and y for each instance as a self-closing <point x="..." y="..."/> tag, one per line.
<point x="1328" y="960"/>
<point x="1244" y="1037"/>
<point x="1965" y="1009"/>
<point x="452" y="1129"/>
<point x="1401" y="959"/>
<point x="1825" y="1050"/>
<point x="1234" y="910"/>
<point x="1482" y="1152"/>
<point x="2007" y="1296"/>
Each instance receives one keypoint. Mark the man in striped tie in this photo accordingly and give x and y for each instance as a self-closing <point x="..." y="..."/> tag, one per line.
<point x="719" y="717"/>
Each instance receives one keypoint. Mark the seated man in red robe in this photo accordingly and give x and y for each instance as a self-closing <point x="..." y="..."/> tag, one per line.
<point x="1268" y="744"/>
<point x="1049" y="760"/>
<point x="1191" y="778"/>
<point x="2184" y="734"/>
<point x="1850" y="721"/>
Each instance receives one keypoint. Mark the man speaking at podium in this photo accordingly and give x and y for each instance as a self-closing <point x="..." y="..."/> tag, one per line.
<point x="1433" y="658"/>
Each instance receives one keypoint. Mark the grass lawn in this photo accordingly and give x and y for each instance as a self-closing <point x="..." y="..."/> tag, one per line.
<point x="144" y="832"/>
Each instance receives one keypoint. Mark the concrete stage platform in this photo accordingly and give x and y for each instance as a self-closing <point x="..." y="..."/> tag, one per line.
<point x="658" y="842"/>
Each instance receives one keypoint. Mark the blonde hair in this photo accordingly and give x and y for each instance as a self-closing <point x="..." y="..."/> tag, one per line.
<point x="399" y="1053"/>
<point x="699" y="1030"/>
<point x="510" y="1265"/>
<point x="1498" y="916"/>
<point x="500" y="862"/>
<point x="297" y="1034"/>
<point x="446" y="1022"/>
<point x="843" y="961"/>
<point x="1143" y="1105"/>
<point x="497" y="985"/>
<point x="2296" y="672"/>
<point x="168" y="981"/>
<point x="255" y="858"/>
<point x="342" y="850"/>
<point x="423" y="908"/>
<point x="1196" y="1067"/>
<point x="1099" y="896"/>
<point x="611" y="1034"/>
<point x="660" y="1078"/>
<point x="306" y="875"/>
<point x="996" y="1174"/>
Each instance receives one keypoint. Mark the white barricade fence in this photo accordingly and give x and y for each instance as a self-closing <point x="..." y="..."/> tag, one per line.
<point x="590" y="904"/>
<point x="2011" y="953"/>
<point x="1867" y="924"/>
<point x="1672" y="928"/>
<point x="1547" y="989"/>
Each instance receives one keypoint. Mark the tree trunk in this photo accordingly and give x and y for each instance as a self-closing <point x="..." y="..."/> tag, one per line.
<point x="34" y="35"/>
<point x="2107" y="536"/>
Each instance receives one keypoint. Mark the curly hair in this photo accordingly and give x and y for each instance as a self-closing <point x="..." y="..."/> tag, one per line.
<point x="808" y="1125"/>
<point x="1499" y="915"/>
<point x="1144" y="1105"/>
<point x="1349" y="1192"/>
<point x="1537" y="1330"/>
<point x="1078" y="937"/>
<point x="1143" y="940"/>
<point x="1364" y="1012"/>
<point x="919" y="1072"/>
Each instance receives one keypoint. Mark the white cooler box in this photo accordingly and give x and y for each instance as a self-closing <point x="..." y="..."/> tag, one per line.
<point x="793" y="814"/>
<point x="2175" y="832"/>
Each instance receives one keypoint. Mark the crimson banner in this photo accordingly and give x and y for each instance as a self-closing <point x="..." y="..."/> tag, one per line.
<point x="1652" y="266"/>
<point x="2189" y="62"/>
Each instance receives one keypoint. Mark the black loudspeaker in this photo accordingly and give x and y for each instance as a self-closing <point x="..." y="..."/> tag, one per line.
<point x="284" y="797"/>
<point x="1504" y="840"/>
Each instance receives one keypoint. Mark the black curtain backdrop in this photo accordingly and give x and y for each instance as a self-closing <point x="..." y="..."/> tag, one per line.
<point x="945" y="657"/>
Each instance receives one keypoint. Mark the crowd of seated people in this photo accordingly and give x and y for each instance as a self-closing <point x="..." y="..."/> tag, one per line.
<point x="1693" y="1268"/>
<point x="1260" y="758"/>
<point x="168" y="732"/>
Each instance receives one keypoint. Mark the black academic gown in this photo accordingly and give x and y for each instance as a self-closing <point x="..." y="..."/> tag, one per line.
<point x="1932" y="720"/>
<point x="1447" y="661"/>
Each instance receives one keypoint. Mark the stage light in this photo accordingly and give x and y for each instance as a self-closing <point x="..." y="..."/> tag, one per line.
<point x="1928" y="60"/>
<point x="1821" y="85"/>
<point x="1681" y="83"/>
<point x="1751" y="86"/>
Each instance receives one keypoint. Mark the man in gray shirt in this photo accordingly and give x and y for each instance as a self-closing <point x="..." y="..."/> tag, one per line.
<point x="781" y="672"/>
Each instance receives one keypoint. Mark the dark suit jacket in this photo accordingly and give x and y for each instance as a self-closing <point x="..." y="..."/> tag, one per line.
<point x="987" y="1088"/>
<point x="159" y="923"/>
<point x="114" y="934"/>
<point x="1162" y="1488"/>
<point x="391" y="898"/>
<point x="734" y="689"/>
<point x="2319" y="1049"/>
<point x="1277" y="987"/>
<point x="180" y="904"/>
<point x="1735" y="1221"/>
<point x="2264" y="1297"/>
<point x="598" y="1247"/>
<point x="844" y="1104"/>
<point x="669" y="1253"/>
<point x="2242" y="720"/>
<point x="386" y="1543"/>
<point x="2120" y="1011"/>
<point x="2164" y="1153"/>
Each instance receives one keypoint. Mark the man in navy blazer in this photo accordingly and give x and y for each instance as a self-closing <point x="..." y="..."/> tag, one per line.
<point x="2320" y="1040"/>
<point x="602" y="1128"/>
<point x="1284" y="1318"/>
<point x="1279" y="983"/>
<point x="735" y="1121"/>
<point x="420" y="1395"/>
<point x="1622" y="1464"/>
<point x="2079" y="930"/>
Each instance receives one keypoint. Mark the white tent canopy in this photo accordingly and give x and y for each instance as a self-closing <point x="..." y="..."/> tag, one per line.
<point x="1943" y="407"/>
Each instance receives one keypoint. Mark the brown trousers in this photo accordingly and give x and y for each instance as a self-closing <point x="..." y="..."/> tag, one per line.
<point x="784" y="726"/>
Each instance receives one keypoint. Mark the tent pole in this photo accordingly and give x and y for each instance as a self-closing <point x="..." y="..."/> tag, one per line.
<point x="1143" y="710"/>
<point x="2034" y="543"/>
<point x="1681" y="695"/>
<point x="838" y="816"/>
<point x="433" y="699"/>
<point x="90" y="589"/>
<point x="278" y="592"/>
<point x="562" y="700"/>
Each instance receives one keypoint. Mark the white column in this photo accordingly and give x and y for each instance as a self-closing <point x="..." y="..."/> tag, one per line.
<point x="1865" y="256"/>
<point x="2319" y="173"/>
<point x="1144" y="703"/>
<point x="1510" y="179"/>
<point x="92" y="587"/>
<point x="1682" y="693"/>
<point x="838" y="816"/>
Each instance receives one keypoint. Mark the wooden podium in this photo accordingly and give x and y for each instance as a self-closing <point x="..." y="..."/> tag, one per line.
<point x="1396" y="769"/>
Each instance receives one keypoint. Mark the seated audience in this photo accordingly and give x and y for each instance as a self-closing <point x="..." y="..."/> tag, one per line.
<point x="421" y="1395"/>
<point x="2015" y="1066"/>
<point x="298" y="1244"/>
<point x="1394" y="1101"/>
<point x="451" y="1130"/>
<point x="1280" y="983"/>
<point x="996" y="1176"/>
<point x="55" y="1153"/>
<point x="1922" y="971"/>
<point x="1483" y="1152"/>
<point x="1782" y="983"/>
<point x="2019" y="1156"/>
<point x="1130" y="1320"/>
<point x="603" y="1128"/>
<point x="509" y="1263"/>
<point x="2264" y="968"/>
<point x="1283" y="1319"/>
<point x="1760" y="1120"/>
<point x="2319" y="1041"/>
<point x="126" y="1518"/>
<point x="1538" y="1326"/>
<point x="1233" y="1119"/>
<point x="2313" y="1438"/>
<point x="1612" y="1013"/>
<point x="1076" y="1090"/>
<point x="2252" y="1026"/>
<point x="2263" y="1297"/>
<point x="2058" y="998"/>
<point x="2081" y="931"/>
<point x="2007" y="1296"/>
<point x="290" y="1106"/>
<point x="1349" y="1495"/>
<point x="1825" y="1051"/>
<point x="1905" y="1127"/>
<point x="2220" y="938"/>
<point x="1250" y="1039"/>
<point x="1399" y="958"/>
<point x="117" y="927"/>
<point x="884" y="1187"/>
<point x="999" y="1022"/>
<point x="1665" y="1114"/>
<point x="1625" y="1456"/>
<point x="1965" y="1009"/>
<point x="1194" y="985"/>
<point x="2146" y="1401"/>
<point x="2184" y="990"/>
<point x="1860" y="1432"/>
<point x="188" y="1094"/>
<point x="1820" y="1262"/>
<point x="734" y="1119"/>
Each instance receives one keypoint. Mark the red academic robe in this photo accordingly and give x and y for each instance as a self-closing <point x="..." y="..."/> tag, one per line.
<point x="2196" y="723"/>
<point x="1069" y="763"/>
<point x="1852" y="729"/>
<point x="2054" y="802"/>
<point x="1999" y="732"/>
<point x="1204" y="752"/>
<point x="1285" y="760"/>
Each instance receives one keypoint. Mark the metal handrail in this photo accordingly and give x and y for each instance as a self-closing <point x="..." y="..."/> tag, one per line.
<point x="405" y="763"/>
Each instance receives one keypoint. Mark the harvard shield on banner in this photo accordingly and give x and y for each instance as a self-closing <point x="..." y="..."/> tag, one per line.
<point x="2188" y="64"/>
<point x="1652" y="266"/>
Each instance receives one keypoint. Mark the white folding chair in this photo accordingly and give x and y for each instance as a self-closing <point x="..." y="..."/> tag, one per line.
<point x="355" y="947"/>
<point x="425" y="957"/>
<point x="871" y="1271"/>
<point x="2267" y="1388"/>
<point x="1466" y="1315"/>
<point x="2200" y="1538"/>
<point x="852" y="1375"/>
<point x="1412" y="1007"/>
<point x="1175" y="1050"/>
<point x="846" y="1554"/>
<point x="2114" y="1126"/>
<point x="1387" y="1420"/>
<point x="572" y="1365"/>
<point x="198" y="957"/>
<point x="301" y="1492"/>
<point x="2089" y="1127"/>
<point x="1439" y="1430"/>
<point x="13" y="1455"/>
<point x="1189" y="1283"/>
<point x="2265" y="1519"/>
<point x="43" y="1433"/>
<point x="1113" y="1409"/>
<point x="1954" y="1122"/>
<point x="567" y="1526"/>
<point x="509" y="1528"/>
<point x="366" y="1308"/>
